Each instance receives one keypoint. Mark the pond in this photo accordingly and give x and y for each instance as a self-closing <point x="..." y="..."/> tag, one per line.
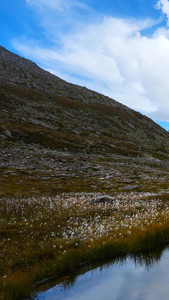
<point x="142" y="277"/>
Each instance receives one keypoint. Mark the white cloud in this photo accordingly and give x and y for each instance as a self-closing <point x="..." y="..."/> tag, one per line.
<point x="164" y="6"/>
<point x="111" y="56"/>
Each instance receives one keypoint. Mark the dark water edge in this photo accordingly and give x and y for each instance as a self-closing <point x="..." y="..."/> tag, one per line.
<point x="141" y="277"/>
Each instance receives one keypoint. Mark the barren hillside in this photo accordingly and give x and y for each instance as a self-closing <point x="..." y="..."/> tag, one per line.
<point x="59" y="137"/>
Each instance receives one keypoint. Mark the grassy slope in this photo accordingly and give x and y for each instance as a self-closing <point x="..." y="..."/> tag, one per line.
<point x="87" y="141"/>
<point x="53" y="144"/>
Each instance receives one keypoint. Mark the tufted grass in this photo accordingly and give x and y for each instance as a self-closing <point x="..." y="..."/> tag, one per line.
<point x="45" y="237"/>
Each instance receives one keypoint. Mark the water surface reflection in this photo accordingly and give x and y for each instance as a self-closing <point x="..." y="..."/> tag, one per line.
<point x="141" y="277"/>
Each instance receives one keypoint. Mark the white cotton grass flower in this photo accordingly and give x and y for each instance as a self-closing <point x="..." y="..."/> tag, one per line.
<point x="70" y="219"/>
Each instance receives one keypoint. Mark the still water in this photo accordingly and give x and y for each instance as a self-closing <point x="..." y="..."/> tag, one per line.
<point x="131" y="278"/>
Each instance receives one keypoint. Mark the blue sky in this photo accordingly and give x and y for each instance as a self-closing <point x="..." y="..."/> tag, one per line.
<point x="118" y="48"/>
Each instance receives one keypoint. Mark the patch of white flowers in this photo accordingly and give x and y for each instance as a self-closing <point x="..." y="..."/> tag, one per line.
<point x="69" y="217"/>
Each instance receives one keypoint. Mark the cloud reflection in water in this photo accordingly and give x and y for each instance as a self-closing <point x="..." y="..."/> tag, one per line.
<point x="141" y="278"/>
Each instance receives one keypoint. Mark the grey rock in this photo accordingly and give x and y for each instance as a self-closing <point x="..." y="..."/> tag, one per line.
<point x="8" y="133"/>
<point x="77" y="131"/>
<point x="102" y="199"/>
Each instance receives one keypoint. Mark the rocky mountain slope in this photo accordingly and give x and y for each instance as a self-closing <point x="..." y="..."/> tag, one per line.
<point x="59" y="137"/>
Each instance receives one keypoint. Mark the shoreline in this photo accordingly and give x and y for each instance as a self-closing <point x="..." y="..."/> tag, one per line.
<point x="76" y="232"/>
